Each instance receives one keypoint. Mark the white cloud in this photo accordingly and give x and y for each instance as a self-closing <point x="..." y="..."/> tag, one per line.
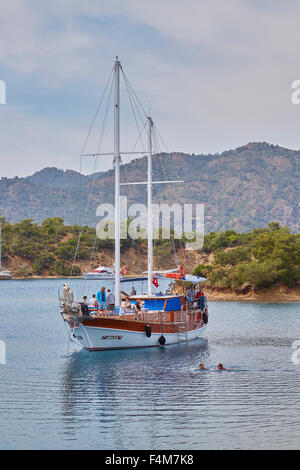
<point x="30" y="143"/>
<point x="34" y="40"/>
<point x="50" y="39"/>
<point x="221" y="77"/>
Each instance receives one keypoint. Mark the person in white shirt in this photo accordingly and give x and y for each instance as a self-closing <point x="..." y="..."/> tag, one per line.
<point x="110" y="301"/>
<point x="93" y="301"/>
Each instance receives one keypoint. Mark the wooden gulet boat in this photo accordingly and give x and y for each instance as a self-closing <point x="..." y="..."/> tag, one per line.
<point x="160" y="319"/>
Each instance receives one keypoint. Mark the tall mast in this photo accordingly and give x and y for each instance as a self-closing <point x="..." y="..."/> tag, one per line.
<point x="117" y="161"/>
<point x="149" y="187"/>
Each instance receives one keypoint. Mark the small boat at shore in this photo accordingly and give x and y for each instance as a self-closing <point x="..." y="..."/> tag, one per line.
<point x="4" y="274"/>
<point x="140" y="320"/>
<point x="103" y="273"/>
<point x="100" y="273"/>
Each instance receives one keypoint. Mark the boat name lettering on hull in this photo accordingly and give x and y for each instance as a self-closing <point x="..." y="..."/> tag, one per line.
<point x="111" y="337"/>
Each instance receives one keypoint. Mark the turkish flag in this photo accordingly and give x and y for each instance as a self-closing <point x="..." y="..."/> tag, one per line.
<point x="155" y="282"/>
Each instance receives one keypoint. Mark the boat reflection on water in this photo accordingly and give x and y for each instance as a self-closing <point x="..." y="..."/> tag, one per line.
<point x="112" y="397"/>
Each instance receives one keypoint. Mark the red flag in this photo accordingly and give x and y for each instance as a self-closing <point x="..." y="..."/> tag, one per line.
<point x="155" y="282"/>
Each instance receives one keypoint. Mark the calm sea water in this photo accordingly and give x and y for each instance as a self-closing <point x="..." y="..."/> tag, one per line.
<point x="150" y="398"/>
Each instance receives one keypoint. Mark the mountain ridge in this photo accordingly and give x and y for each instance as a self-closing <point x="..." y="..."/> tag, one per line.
<point x="242" y="188"/>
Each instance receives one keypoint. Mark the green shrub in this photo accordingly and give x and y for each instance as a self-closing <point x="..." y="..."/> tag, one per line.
<point x="202" y="270"/>
<point x="219" y="277"/>
<point x="23" y="270"/>
<point x="76" y="271"/>
<point x="260" y="274"/>
<point x="61" y="268"/>
<point x="233" y="257"/>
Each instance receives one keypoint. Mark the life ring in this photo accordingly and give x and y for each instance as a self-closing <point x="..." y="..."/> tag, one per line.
<point x="162" y="340"/>
<point x="181" y="270"/>
<point x="124" y="270"/>
<point x="148" y="331"/>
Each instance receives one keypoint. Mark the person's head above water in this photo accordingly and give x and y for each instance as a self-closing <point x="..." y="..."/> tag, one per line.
<point x="220" y="366"/>
<point x="201" y="366"/>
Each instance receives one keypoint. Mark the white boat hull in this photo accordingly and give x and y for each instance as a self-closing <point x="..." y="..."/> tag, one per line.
<point x="4" y="275"/>
<point x="98" y="339"/>
<point x="98" y="277"/>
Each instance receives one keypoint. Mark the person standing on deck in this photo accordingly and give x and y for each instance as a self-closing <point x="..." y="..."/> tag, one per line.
<point x="110" y="299"/>
<point x="101" y="297"/>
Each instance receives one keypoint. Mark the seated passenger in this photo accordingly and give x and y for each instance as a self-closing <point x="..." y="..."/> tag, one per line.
<point x="137" y="306"/>
<point x="84" y="306"/>
<point x="127" y="303"/>
<point x="93" y="302"/>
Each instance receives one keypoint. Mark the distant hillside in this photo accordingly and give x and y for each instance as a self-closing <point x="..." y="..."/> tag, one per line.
<point x="243" y="188"/>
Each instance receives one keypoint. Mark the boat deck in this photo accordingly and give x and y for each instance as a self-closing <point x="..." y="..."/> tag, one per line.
<point x="160" y="322"/>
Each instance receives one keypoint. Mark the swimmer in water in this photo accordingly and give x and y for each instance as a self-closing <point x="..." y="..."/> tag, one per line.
<point x="202" y="367"/>
<point x="220" y="366"/>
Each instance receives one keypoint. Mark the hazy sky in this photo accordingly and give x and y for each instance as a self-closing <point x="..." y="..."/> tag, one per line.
<point x="215" y="74"/>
